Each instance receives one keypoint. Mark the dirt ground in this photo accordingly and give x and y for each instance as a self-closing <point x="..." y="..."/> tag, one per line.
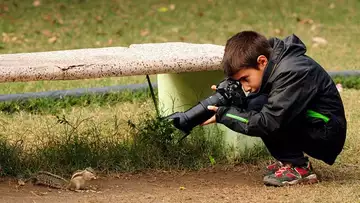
<point x="234" y="184"/>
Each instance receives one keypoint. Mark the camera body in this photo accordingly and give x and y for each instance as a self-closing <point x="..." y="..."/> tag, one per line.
<point x="228" y="93"/>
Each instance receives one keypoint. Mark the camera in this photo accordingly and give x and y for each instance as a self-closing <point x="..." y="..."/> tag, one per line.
<point x="228" y="93"/>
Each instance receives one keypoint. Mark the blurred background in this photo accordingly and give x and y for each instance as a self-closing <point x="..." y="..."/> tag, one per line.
<point x="328" y="28"/>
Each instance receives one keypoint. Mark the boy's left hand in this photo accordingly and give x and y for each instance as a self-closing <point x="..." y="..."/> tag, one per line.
<point x="213" y="118"/>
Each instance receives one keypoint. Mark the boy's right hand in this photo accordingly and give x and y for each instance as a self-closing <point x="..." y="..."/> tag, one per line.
<point x="213" y="87"/>
<point x="212" y="108"/>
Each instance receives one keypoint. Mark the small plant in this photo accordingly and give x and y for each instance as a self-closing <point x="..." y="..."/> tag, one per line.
<point x="11" y="159"/>
<point x="162" y="148"/>
<point x="212" y="160"/>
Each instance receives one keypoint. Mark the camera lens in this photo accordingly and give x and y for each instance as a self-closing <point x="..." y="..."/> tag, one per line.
<point x="186" y="121"/>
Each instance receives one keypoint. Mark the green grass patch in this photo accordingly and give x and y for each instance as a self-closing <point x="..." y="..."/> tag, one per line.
<point x="57" y="105"/>
<point x="152" y="143"/>
<point x="352" y="82"/>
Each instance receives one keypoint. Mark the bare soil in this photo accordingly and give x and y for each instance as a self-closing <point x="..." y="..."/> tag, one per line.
<point x="233" y="184"/>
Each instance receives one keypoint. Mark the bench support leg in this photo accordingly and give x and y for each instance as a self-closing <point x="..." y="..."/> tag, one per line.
<point x="180" y="91"/>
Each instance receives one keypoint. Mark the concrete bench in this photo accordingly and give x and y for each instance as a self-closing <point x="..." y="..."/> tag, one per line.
<point x="184" y="71"/>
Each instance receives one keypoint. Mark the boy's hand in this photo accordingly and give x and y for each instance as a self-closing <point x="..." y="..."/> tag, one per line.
<point x="213" y="118"/>
<point x="213" y="108"/>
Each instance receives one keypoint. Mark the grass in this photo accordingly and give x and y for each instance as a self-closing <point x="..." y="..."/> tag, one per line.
<point x="102" y="140"/>
<point x="89" y="24"/>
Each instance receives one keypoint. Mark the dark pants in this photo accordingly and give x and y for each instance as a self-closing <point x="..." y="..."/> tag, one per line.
<point x="289" y="144"/>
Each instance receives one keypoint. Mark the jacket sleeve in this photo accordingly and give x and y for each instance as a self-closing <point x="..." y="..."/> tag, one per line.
<point x="291" y="92"/>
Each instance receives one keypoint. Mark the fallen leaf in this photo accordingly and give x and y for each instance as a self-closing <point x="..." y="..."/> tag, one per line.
<point x="182" y="38"/>
<point x="47" y="33"/>
<point x="5" y="37"/>
<point x="172" y="7"/>
<point x="278" y="31"/>
<point x="59" y="20"/>
<point x="332" y="6"/>
<point x="110" y="41"/>
<point x="319" y="40"/>
<point x="182" y="188"/>
<point x="4" y="7"/>
<point x="97" y="43"/>
<point x="305" y="21"/>
<point x="52" y="39"/>
<point x="47" y="17"/>
<point x="99" y="19"/>
<point x="201" y="14"/>
<point x="144" y="32"/>
<point x="162" y="9"/>
<point x="36" y="3"/>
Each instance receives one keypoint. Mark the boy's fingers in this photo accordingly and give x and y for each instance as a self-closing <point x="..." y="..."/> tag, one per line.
<point x="213" y="87"/>
<point x="205" y="123"/>
<point x="210" y="120"/>
<point x="213" y="108"/>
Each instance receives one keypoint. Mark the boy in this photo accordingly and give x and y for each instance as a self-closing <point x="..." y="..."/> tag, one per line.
<point x="293" y="105"/>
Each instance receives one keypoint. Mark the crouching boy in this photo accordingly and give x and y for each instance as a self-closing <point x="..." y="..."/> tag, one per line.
<point x="293" y="105"/>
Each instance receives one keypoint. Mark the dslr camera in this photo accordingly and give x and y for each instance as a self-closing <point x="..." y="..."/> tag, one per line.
<point x="228" y="93"/>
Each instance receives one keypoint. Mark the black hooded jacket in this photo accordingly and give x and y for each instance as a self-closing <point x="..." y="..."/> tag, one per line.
<point x="298" y="88"/>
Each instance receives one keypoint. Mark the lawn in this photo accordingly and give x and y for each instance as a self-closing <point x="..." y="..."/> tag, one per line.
<point x="29" y="26"/>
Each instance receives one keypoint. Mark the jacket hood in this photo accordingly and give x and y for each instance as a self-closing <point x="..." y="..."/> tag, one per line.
<point x="290" y="45"/>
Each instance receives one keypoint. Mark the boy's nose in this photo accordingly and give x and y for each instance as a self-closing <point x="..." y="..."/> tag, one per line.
<point x="246" y="88"/>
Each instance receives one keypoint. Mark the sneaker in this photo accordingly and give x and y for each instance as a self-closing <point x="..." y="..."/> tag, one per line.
<point x="272" y="168"/>
<point x="287" y="175"/>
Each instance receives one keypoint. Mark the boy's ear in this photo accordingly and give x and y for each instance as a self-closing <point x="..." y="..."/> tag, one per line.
<point x="262" y="61"/>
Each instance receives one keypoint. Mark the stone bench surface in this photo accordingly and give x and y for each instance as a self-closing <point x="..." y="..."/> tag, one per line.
<point x="137" y="59"/>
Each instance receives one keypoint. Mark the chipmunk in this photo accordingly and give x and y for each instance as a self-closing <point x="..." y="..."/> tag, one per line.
<point x="79" y="178"/>
<point x="77" y="182"/>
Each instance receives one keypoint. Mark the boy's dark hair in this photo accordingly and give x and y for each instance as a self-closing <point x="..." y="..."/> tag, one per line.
<point x="242" y="51"/>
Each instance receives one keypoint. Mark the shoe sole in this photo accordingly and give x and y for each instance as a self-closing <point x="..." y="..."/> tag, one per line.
<point x="311" y="179"/>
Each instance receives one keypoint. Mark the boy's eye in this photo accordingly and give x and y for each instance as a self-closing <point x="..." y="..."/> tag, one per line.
<point x="245" y="79"/>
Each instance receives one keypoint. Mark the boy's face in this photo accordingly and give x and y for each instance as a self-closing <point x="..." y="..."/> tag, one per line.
<point x="251" y="77"/>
